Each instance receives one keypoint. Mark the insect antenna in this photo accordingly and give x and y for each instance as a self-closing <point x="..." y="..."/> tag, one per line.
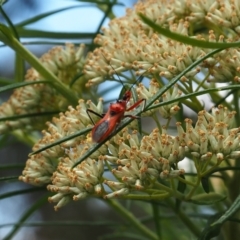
<point x="139" y="79"/>
<point x="125" y="89"/>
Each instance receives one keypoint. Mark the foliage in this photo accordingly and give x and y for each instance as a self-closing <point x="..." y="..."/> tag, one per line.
<point x="183" y="50"/>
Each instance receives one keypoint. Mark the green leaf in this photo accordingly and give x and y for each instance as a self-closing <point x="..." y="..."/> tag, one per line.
<point x="187" y="96"/>
<point x="6" y="35"/>
<point x="28" y="33"/>
<point x="205" y="184"/>
<point x="5" y="81"/>
<point x="29" y="115"/>
<point x="3" y="2"/>
<point x="156" y="217"/>
<point x="47" y="14"/>
<point x="62" y="223"/>
<point x="210" y="231"/>
<point x="23" y="191"/>
<point x="11" y="166"/>
<point x="76" y="78"/>
<point x="8" y="178"/>
<point x="9" y="22"/>
<point x="77" y="134"/>
<point x="234" y="208"/>
<point x="181" y="188"/>
<point x="124" y="235"/>
<point x="184" y="39"/>
<point x="19" y="69"/>
<point x="21" y="84"/>
<point x="8" y="38"/>
<point x="207" y="198"/>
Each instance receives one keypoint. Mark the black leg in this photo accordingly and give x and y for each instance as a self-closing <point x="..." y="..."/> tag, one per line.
<point x="97" y="114"/>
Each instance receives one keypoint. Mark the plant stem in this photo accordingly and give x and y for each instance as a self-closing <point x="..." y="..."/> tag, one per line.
<point x="147" y="197"/>
<point x="132" y="220"/>
<point x="12" y="42"/>
<point x="169" y="190"/>
<point x="188" y="222"/>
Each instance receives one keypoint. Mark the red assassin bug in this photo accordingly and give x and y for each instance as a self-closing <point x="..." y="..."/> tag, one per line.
<point x="109" y="121"/>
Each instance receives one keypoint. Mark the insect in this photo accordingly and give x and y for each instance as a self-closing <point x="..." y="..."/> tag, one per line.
<point x="109" y="121"/>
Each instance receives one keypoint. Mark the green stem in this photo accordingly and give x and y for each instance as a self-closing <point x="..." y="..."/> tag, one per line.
<point x="12" y="42"/>
<point x="236" y="105"/>
<point x="156" y="217"/>
<point x="155" y="118"/>
<point x="168" y="122"/>
<point x="10" y="23"/>
<point x="188" y="222"/>
<point x="170" y="191"/>
<point x="210" y="169"/>
<point x="195" y="186"/>
<point x="193" y="189"/>
<point x="147" y="197"/>
<point x="202" y="82"/>
<point x="28" y="139"/>
<point x="132" y="220"/>
<point x="185" y="181"/>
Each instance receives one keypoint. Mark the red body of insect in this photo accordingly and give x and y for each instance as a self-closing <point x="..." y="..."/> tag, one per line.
<point x="112" y="118"/>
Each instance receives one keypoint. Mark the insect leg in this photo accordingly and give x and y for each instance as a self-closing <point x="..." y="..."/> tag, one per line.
<point x="137" y="104"/>
<point x="97" y="114"/>
<point x="134" y="106"/>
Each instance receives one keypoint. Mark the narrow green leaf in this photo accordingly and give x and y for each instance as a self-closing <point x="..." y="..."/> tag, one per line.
<point x="2" y="2"/>
<point x="21" y="84"/>
<point x="23" y="191"/>
<point x="29" y="115"/>
<point x="11" y="166"/>
<point x="181" y="188"/>
<point x="223" y="169"/>
<point x="9" y="178"/>
<point x="7" y="38"/>
<point x="5" y="81"/>
<point x="210" y="231"/>
<point x="190" y="95"/>
<point x="124" y="235"/>
<point x="104" y="5"/>
<point x="19" y="69"/>
<point x="184" y="39"/>
<point x="62" y="223"/>
<point x="76" y="78"/>
<point x="4" y="140"/>
<point x="156" y="217"/>
<point x="107" y="12"/>
<point x="77" y="134"/>
<point x="234" y="208"/>
<point x="207" y="198"/>
<point x="205" y="184"/>
<point x="30" y="33"/>
<point x="8" y="20"/>
<point x="47" y="14"/>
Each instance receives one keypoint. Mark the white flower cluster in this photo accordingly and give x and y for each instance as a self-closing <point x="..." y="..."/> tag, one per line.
<point x="79" y="182"/>
<point x="129" y="44"/>
<point x="142" y="161"/>
<point x="40" y="167"/>
<point x="212" y="138"/>
<point x="136" y="162"/>
<point x="65" y="63"/>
